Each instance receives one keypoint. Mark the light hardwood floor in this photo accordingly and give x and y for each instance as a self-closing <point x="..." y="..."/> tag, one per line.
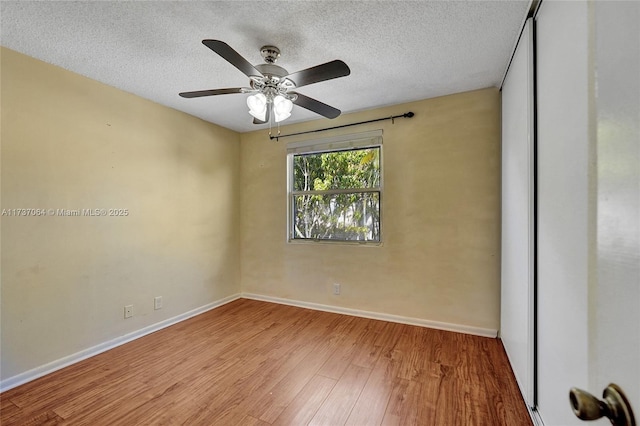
<point x="258" y="363"/>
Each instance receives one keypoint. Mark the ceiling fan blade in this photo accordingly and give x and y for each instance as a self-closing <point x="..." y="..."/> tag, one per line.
<point x="316" y="106"/>
<point x="233" y="57"/>
<point x="200" y="93"/>
<point x="327" y="71"/>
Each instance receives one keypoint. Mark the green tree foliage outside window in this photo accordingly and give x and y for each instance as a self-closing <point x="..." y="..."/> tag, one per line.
<point x="336" y="195"/>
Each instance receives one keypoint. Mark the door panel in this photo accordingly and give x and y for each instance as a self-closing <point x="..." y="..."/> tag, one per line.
<point x="615" y="331"/>
<point x="517" y="295"/>
<point x="565" y="204"/>
<point x="588" y="103"/>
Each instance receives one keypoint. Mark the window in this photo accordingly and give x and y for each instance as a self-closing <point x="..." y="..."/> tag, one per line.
<point x="335" y="189"/>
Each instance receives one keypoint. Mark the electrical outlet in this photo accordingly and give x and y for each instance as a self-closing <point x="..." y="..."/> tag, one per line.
<point x="336" y="289"/>
<point x="157" y="302"/>
<point x="128" y="311"/>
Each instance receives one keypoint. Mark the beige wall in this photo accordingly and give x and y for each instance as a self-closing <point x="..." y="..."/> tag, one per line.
<point x="72" y="143"/>
<point x="441" y="225"/>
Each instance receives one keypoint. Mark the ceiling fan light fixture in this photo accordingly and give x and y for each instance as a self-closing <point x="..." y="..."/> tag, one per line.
<point x="258" y="106"/>
<point x="271" y="86"/>
<point x="282" y="108"/>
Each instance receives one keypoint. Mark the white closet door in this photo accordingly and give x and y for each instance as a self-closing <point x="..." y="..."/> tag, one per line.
<point x="615" y="291"/>
<point x="517" y="285"/>
<point x="588" y="103"/>
<point x="565" y="205"/>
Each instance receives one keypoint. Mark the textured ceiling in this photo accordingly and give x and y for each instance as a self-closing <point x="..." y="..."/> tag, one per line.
<point x="398" y="51"/>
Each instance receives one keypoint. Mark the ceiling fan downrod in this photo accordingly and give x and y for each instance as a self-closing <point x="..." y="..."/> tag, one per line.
<point x="270" y="54"/>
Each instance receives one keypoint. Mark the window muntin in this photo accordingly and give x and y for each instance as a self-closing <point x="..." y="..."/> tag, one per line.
<point x="335" y="194"/>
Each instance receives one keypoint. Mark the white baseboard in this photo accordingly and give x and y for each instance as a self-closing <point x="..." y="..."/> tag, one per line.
<point x="477" y="331"/>
<point x="58" y="364"/>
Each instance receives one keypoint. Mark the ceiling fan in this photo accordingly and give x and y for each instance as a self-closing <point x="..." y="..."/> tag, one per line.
<point x="271" y="86"/>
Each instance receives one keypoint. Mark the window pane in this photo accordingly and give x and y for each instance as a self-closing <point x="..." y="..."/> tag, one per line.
<point x="352" y="169"/>
<point x="347" y="217"/>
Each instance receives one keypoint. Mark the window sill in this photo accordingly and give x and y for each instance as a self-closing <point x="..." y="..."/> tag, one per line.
<point x="335" y="242"/>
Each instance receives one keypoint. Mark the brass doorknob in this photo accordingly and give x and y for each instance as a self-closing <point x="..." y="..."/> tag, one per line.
<point x="614" y="405"/>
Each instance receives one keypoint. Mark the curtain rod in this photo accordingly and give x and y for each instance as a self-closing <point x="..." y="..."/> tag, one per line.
<point x="392" y="118"/>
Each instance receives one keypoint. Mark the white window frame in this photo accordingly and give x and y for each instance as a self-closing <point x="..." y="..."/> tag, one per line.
<point x="372" y="139"/>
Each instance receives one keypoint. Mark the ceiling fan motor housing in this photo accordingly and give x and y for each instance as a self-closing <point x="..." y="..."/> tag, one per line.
<point x="272" y="83"/>
<point x="271" y="70"/>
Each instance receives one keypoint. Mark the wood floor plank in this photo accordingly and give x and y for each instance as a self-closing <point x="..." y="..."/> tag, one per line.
<point x="500" y="384"/>
<point x="439" y="346"/>
<point x="367" y="352"/>
<point x="410" y="350"/>
<point x="305" y="405"/>
<point x="257" y="363"/>
<point x="44" y="418"/>
<point x="9" y="411"/>
<point x="275" y="366"/>
<point x="260" y="395"/>
<point x="271" y="404"/>
<point x="173" y="406"/>
<point x="295" y="366"/>
<point x="338" y="405"/>
<point x="251" y="421"/>
<point x="374" y="398"/>
<point x="111" y="410"/>
<point x="335" y="366"/>
<point x="103" y="394"/>
<point x="452" y="403"/>
<point x="405" y="405"/>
